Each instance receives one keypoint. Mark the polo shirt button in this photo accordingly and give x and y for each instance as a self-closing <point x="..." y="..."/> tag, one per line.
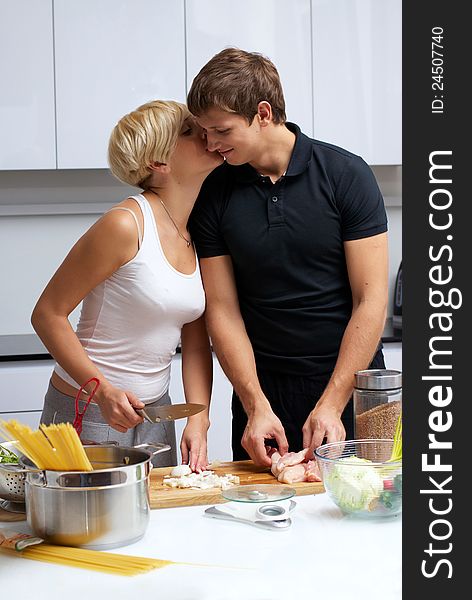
<point x="274" y="198"/>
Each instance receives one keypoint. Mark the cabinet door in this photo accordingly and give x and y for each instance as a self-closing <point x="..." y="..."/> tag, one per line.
<point x="278" y="29"/>
<point x="392" y="352"/>
<point x="112" y="56"/>
<point x="27" y="76"/>
<point x="357" y="76"/>
<point x="24" y="384"/>
<point x="31" y="418"/>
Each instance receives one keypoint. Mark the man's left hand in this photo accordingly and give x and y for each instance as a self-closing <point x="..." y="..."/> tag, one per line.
<point x="322" y="422"/>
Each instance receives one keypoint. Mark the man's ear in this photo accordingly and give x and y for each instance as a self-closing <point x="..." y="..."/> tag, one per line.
<point x="158" y="167"/>
<point x="264" y="113"/>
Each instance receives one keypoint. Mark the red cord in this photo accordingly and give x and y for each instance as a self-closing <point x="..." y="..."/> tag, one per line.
<point x="77" y="424"/>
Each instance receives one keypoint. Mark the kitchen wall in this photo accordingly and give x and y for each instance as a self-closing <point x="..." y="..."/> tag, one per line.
<point x="389" y="179"/>
<point x="63" y="93"/>
<point x="42" y="214"/>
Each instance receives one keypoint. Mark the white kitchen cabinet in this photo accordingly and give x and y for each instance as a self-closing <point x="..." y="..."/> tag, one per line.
<point x="278" y="29"/>
<point x="392" y="352"/>
<point x="27" y="121"/>
<point x="357" y="57"/>
<point x="24" y="384"/>
<point x="30" y="418"/>
<point x="110" y="57"/>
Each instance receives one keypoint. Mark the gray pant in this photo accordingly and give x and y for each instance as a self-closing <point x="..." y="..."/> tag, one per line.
<point x="59" y="408"/>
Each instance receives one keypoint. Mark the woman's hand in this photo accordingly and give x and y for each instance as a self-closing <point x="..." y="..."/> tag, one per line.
<point x="117" y="407"/>
<point x="193" y="445"/>
<point x="197" y="375"/>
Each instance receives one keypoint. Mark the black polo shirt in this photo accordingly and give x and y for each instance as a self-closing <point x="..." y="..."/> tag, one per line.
<point x="286" y="243"/>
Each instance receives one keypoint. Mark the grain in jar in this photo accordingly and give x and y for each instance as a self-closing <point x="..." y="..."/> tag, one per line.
<point x="377" y="403"/>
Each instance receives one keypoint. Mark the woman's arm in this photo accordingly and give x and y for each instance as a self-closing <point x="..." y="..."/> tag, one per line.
<point x="108" y="244"/>
<point x="197" y="375"/>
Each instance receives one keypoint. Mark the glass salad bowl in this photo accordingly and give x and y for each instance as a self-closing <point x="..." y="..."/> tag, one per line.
<point x="360" y="478"/>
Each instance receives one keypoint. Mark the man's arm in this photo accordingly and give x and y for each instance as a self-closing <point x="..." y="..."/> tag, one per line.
<point x="235" y="354"/>
<point x="367" y="264"/>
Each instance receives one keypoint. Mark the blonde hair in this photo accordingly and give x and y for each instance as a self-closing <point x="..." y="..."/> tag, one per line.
<point x="148" y="134"/>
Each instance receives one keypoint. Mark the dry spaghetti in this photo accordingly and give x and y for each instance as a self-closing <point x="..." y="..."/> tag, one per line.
<point x="28" y="546"/>
<point x="104" y="562"/>
<point x="51" y="447"/>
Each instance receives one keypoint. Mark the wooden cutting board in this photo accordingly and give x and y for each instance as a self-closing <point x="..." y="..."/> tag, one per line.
<point x="10" y="517"/>
<point x="248" y="473"/>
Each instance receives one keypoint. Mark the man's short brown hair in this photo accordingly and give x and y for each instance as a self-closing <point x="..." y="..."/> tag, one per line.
<point x="236" y="81"/>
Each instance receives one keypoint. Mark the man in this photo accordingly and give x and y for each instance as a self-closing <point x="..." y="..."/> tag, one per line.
<point x="291" y="235"/>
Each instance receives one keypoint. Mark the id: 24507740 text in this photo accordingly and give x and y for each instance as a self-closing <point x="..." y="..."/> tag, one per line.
<point x="437" y="70"/>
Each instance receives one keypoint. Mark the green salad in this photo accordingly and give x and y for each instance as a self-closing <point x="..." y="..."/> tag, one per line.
<point x="359" y="485"/>
<point x="7" y="456"/>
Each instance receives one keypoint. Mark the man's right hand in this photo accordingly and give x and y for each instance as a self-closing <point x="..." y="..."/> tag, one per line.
<point x="261" y="426"/>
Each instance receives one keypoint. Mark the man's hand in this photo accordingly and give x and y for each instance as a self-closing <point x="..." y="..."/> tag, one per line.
<point x="261" y="426"/>
<point x="322" y="422"/>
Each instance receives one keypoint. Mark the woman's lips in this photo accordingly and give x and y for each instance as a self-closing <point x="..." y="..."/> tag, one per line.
<point x="225" y="153"/>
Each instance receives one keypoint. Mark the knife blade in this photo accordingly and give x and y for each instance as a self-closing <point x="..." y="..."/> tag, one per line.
<point x="170" y="412"/>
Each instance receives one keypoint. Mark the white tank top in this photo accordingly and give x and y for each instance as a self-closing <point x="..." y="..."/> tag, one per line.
<point x="130" y="324"/>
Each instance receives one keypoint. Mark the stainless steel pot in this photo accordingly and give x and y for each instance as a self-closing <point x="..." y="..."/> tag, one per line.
<point x="100" y="509"/>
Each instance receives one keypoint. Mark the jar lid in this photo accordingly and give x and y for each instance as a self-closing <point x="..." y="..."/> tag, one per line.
<point x="378" y="379"/>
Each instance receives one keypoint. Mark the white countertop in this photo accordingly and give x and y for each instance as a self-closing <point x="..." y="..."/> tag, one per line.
<point x="324" y="554"/>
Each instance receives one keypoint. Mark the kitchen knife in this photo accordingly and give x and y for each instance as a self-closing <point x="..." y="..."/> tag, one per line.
<point x="170" y="412"/>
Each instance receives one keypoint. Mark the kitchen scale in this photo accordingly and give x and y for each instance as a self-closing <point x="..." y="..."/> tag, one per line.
<point x="264" y="505"/>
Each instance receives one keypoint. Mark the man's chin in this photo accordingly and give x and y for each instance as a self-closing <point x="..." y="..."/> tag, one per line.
<point x="234" y="161"/>
<point x="228" y="155"/>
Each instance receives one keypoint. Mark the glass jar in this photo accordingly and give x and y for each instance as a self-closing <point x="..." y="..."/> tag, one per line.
<point x="377" y="403"/>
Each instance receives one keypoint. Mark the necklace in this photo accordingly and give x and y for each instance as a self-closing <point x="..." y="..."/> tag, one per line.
<point x="187" y="241"/>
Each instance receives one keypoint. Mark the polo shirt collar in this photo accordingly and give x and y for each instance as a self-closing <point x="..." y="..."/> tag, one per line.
<point x="302" y="152"/>
<point x="299" y="161"/>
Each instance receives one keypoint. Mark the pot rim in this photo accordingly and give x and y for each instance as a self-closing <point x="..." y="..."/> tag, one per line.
<point x="27" y="463"/>
<point x="83" y="489"/>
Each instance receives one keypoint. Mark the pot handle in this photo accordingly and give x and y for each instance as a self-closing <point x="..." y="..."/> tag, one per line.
<point x="92" y="443"/>
<point x="159" y="447"/>
<point x="4" y="468"/>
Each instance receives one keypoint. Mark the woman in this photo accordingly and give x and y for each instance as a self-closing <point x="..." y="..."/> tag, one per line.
<point x="137" y="274"/>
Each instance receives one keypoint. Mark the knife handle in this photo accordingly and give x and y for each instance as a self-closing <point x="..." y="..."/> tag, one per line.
<point x="145" y="416"/>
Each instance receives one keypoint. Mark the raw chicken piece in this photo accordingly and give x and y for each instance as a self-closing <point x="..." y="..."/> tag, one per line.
<point x="275" y="458"/>
<point x="306" y="471"/>
<point x="292" y="458"/>
<point x="292" y="474"/>
<point x="293" y="467"/>
<point x="312" y="471"/>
